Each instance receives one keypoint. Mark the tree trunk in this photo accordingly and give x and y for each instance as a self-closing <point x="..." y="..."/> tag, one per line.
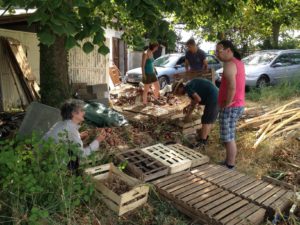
<point x="220" y="36"/>
<point x="275" y="33"/>
<point x="55" y="86"/>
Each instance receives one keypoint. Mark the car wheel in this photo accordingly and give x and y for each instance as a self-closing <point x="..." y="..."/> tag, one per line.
<point x="163" y="81"/>
<point x="263" y="81"/>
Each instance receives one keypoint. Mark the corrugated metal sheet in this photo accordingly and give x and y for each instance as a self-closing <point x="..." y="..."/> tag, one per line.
<point x="12" y="92"/>
<point x="88" y="68"/>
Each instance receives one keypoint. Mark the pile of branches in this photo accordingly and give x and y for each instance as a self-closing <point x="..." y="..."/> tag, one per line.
<point x="129" y="98"/>
<point x="9" y="123"/>
<point x="134" y="95"/>
<point x="283" y="119"/>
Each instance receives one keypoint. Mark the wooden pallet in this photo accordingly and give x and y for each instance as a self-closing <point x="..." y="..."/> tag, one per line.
<point x="143" y="166"/>
<point x="196" y="157"/>
<point x="206" y="202"/>
<point x="271" y="197"/>
<point x="125" y="202"/>
<point x="174" y="160"/>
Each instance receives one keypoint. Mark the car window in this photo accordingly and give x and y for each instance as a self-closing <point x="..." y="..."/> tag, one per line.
<point x="284" y="60"/>
<point x="181" y="61"/>
<point x="166" y="61"/>
<point x="261" y="58"/>
<point x="295" y="57"/>
<point x="211" y="60"/>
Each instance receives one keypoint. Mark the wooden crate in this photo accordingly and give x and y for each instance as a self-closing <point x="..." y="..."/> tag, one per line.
<point x="190" y="127"/>
<point x="125" y="202"/>
<point x="196" y="157"/>
<point x="206" y="202"/>
<point x="172" y="159"/>
<point x="271" y="197"/>
<point x="143" y="166"/>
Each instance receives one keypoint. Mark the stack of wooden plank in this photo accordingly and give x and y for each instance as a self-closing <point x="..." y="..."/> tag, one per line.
<point x="274" y="122"/>
<point x="190" y="127"/>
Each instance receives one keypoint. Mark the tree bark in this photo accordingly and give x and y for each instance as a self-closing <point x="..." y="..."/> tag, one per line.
<point x="275" y="33"/>
<point x="220" y="36"/>
<point x="55" y="86"/>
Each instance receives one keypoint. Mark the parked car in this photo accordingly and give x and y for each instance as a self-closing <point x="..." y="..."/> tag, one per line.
<point x="269" y="67"/>
<point x="166" y="66"/>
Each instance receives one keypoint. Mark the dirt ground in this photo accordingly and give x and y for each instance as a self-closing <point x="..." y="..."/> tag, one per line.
<point x="278" y="157"/>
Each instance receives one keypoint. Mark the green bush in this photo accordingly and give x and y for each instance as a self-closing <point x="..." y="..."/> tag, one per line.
<point x="35" y="184"/>
<point x="282" y="91"/>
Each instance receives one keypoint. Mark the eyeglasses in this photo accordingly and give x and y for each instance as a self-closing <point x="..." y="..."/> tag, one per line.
<point x="219" y="51"/>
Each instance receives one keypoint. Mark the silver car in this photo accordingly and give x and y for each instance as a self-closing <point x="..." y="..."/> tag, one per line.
<point x="166" y="66"/>
<point x="270" y="67"/>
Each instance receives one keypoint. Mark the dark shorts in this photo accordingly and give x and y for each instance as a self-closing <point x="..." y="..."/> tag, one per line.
<point x="210" y="114"/>
<point x="149" y="78"/>
<point x="228" y="118"/>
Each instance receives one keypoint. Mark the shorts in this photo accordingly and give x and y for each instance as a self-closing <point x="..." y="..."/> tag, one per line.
<point x="149" y="78"/>
<point x="210" y="114"/>
<point x="228" y="118"/>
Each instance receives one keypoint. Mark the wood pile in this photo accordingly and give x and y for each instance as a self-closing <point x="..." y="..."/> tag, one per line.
<point x="190" y="127"/>
<point x="10" y="123"/>
<point x="133" y="96"/>
<point x="283" y="119"/>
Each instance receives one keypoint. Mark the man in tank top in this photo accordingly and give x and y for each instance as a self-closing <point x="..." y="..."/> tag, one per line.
<point x="231" y="97"/>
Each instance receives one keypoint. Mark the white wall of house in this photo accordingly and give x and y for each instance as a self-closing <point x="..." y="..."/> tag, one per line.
<point x="134" y="59"/>
<point x="30" y="44"/>
<point x="90" y="68"/>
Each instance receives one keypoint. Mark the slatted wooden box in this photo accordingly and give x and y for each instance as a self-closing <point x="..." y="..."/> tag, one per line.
<point x="172" y="159"/>
<point x="206" y="202"/>
<point x="143" y="166"/>
<point x="196" y="157"/>
<point x="271" y="197"/>
<point x="122" y="203"/>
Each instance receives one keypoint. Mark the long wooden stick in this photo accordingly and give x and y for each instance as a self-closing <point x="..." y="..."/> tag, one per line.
<point x="292" y="127"/>
<point x="279" y="109"/>
<point x="295" y="117"/>
<point x="268" y="125"/>
<point x="265" y="135"/>
<point x="264" y="117"/>
<point x="260" y="119"/>
<point x="282" y="107"/>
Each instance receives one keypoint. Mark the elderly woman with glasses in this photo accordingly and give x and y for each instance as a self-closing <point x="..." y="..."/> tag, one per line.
<point x="72" y="113"/>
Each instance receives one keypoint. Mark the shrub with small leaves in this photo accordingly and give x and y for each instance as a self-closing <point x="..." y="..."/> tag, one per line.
<point x="36" y="185"/>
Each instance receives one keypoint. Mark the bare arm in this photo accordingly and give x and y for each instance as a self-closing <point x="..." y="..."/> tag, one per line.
<point x="230" y="76"/>
<point x="144" y="58"/>
<point x="196" y="99"/>
<point x="186" y="65"/>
